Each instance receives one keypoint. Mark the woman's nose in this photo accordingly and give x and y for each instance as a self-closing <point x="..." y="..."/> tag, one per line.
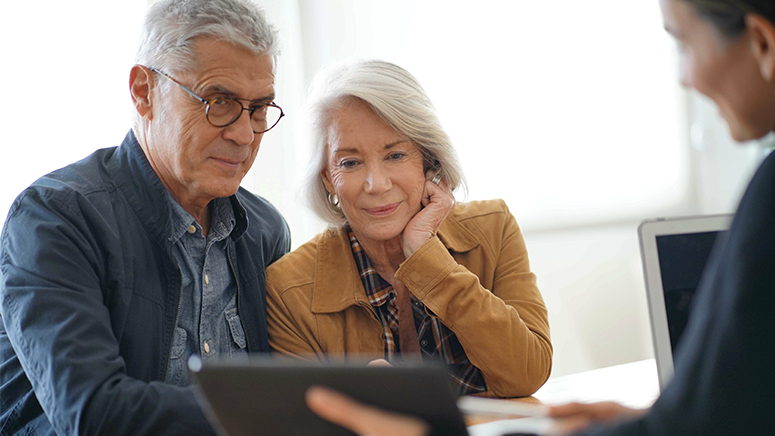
<point x="377" y="181"/>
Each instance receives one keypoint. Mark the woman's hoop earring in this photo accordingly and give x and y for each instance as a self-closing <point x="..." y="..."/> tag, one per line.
<point x="333" y="200"/>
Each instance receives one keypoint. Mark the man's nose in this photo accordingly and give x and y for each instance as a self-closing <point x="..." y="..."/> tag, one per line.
<point x="240" y="131"/>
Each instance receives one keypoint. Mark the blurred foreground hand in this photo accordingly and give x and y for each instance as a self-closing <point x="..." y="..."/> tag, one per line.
<point x="359" y="418"/>
<point x="573" y="417"/>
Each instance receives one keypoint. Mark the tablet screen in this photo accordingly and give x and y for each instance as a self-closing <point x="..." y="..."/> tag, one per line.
<point x="267" y="396"/>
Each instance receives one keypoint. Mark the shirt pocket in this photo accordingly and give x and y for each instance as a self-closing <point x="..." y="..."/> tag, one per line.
<point x="235" y="327"/>
<point x="176" y="372"/>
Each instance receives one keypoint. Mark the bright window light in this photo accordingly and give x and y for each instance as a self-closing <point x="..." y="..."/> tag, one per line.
<point x="570" y="111"/>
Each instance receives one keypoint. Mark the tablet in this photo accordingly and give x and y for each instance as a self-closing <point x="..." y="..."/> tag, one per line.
<point x="266" y="396"/>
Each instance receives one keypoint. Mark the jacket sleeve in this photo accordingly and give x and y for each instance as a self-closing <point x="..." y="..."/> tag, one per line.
<point x="505" y="329"/>
<point x="61" y="330"/>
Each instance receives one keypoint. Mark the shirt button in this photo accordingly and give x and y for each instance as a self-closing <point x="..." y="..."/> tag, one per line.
<point x="191" y="229"/>
<point x="416" y="303"/>
<point x="207" y="348"/>
<point x="207" y="279"/>
<point x="394" y="328"/>
<point x="424" y="343"/>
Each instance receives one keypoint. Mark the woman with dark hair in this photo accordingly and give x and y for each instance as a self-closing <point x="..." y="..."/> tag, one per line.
<point x="724" y="383"/>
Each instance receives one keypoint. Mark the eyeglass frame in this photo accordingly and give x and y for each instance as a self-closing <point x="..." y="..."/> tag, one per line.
<point x="250" y="110"/>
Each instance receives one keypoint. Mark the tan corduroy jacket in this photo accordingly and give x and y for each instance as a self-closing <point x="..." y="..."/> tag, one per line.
<point x="474" y="276"/>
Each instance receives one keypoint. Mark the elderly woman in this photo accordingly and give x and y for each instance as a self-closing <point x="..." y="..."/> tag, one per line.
<point x="404" y="272"/>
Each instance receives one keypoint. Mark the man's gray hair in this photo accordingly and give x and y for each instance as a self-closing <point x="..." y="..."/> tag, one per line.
<point x="398" y="99"/>
<point x="171" y="28"/>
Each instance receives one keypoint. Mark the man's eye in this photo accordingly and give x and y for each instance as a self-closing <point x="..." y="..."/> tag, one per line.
<point x="259" y="112"/>
<point x="222" y="102"/>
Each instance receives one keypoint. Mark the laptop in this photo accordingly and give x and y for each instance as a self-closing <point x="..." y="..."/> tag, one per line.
<point x="674" y="252"/>
<point x="266" y="395"/>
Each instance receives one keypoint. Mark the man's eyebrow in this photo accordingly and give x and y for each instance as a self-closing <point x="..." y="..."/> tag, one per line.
<point x="264" y="100"/>
<point x="218" y="89"/>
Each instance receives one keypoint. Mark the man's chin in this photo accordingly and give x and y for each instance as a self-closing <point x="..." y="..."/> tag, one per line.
<point x="225" y="190"/>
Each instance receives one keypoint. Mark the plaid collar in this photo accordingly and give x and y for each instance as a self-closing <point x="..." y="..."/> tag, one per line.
<point x="377" y="289"/>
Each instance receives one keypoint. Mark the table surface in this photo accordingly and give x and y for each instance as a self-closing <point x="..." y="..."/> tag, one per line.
<point x="633" y="384"/>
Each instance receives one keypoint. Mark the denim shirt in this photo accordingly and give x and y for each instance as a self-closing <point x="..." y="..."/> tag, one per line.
<point x="208" y="324"/>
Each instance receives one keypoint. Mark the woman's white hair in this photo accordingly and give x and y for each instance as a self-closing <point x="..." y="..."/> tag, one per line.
<point x="172" y="27"/>
<point x="398" y="99"/>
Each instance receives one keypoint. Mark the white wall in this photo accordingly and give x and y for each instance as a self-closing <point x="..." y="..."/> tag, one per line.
<point x="65" y="75"/>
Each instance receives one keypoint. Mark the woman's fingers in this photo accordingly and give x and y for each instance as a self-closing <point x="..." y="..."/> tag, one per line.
<point x="438" y="202"/>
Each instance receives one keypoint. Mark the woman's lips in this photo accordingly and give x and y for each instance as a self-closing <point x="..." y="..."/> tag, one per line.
<point x="383" y="210"/>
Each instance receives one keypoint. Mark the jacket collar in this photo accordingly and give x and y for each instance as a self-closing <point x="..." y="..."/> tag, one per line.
<point x="455" y="236"/>
<point x="147" y="196"/>
<point x="337" y="283"/>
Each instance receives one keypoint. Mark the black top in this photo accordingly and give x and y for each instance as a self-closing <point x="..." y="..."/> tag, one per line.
<point x="724" y="381"/>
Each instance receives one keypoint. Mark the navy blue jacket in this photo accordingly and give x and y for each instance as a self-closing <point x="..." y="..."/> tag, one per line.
<point x="89" y="299"/>
<point x="724" y="382"/>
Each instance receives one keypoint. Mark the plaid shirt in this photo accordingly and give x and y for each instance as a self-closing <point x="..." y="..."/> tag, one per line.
<point x="436" y="340"/>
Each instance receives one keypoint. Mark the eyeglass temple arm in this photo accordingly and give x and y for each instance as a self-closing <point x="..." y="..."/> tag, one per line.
<point x="179" y="84"/>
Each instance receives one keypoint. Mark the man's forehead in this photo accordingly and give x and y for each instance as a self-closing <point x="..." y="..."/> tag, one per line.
<point x="230" y="68"/>
<point x="209" y="51"/>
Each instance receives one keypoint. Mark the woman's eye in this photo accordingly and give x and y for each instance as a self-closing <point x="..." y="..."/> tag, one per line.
<point x="348" y="163"/>
<point x="396" y="156"/>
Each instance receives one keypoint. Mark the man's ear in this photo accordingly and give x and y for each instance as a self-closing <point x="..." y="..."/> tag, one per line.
<point x="762" y="35"/>
<point x="140" y="84"/>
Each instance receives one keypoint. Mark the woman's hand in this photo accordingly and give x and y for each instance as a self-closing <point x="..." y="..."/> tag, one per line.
<point x="438" y="202"/>
<point x="361" y="419"/>
<point x="573" y="417"/>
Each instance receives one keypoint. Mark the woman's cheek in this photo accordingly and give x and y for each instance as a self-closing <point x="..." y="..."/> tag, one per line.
<point x="337" y="179"/>
<point x="419" y="191"/>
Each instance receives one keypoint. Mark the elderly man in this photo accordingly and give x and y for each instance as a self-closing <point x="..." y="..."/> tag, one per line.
<point x="119" y="267"/>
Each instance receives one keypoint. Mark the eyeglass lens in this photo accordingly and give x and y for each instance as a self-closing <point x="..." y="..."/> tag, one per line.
<point x="224" y="111"/>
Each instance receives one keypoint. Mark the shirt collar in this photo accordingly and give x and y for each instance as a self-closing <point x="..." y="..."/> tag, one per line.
<point x="222" y="218"/>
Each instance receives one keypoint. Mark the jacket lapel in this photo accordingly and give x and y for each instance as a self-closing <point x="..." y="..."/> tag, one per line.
<point x="337" y="283"/>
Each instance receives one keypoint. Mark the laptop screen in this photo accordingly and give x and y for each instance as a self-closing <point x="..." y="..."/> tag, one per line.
<point x="682" y="259"/>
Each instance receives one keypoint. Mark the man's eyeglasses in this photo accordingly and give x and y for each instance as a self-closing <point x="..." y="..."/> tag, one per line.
<point x="222" y="111"/>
